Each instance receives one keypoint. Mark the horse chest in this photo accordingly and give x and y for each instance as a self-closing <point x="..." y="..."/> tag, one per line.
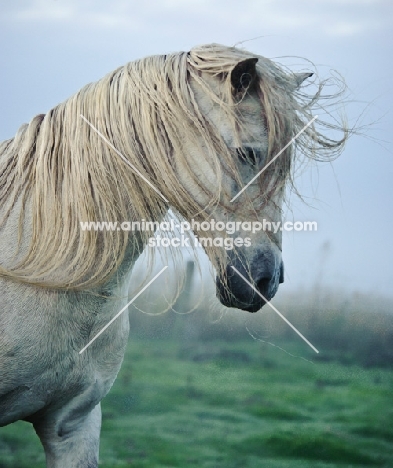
<point x="40" y="364"/>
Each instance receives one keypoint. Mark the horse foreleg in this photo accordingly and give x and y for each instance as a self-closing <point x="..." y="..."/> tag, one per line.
<point x="76" y="448"/>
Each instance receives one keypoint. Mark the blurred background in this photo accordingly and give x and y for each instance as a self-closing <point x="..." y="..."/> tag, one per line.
<point x="243" y="388"/>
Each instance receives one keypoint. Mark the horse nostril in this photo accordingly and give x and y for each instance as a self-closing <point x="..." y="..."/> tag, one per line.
<point x="281" y="280"/>
<point x="263" y="286"/>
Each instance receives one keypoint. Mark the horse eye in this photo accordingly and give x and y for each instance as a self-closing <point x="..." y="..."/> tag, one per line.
<point x="248" y="155"/>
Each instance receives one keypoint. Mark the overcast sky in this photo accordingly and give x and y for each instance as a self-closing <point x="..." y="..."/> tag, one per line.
<point x="51" y="48"/>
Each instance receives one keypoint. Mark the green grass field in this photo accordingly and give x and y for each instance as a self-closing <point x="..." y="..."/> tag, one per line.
<point x="240" y="404"/>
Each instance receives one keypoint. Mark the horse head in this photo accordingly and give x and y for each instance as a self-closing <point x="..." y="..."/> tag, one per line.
<point x="250" y="267"/>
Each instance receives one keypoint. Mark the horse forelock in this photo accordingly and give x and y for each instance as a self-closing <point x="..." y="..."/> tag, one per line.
<point x="66" y="173"/>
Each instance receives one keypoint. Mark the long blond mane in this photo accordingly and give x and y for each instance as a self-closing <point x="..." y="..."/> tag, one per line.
<point x="63" y="172"/>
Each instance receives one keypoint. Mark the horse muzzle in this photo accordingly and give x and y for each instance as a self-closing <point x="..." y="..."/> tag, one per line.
<point x="265" y="272"/>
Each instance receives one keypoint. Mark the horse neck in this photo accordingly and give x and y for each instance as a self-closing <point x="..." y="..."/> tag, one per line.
<point x="136" y="245"/>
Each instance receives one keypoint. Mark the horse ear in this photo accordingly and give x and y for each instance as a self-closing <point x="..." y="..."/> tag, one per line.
<point x="300" y="77"/>
<point x="244" y="74"/>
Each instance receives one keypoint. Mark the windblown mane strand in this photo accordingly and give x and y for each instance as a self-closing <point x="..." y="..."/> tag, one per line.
<point x="64" y="173"/>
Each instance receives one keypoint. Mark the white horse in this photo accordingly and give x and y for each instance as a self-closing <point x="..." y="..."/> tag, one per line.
<point x="198" y="126"/>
